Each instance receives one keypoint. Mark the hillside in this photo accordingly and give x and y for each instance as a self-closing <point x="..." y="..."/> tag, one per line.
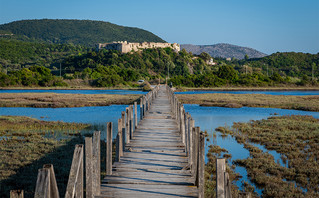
<point x="83" y="32"/>
<point x="224" y="50"/>
<point x="288" y="63"/>
<point x="15" y="54"/>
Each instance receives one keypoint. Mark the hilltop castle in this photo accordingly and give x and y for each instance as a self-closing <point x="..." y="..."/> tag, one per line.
<point x="125" y="47"/>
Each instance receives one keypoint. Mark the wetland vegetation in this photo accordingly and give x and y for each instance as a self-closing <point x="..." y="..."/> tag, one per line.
<point x="306" y="103"/>
<point x="56" y="100"/>
<point x="26" y="144"/>
<point x="296" y="138"/>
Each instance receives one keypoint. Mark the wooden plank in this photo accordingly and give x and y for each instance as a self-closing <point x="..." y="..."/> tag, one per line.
<point x="127" y="190"/>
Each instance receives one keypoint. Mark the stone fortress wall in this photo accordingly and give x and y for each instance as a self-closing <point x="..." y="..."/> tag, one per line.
<point x="125" y="47"/>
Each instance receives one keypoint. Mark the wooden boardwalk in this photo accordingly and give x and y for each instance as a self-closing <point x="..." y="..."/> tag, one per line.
<point x="154" y="163"/>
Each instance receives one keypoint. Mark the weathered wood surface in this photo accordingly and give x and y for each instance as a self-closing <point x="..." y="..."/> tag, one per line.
<point x="154" y="163"/>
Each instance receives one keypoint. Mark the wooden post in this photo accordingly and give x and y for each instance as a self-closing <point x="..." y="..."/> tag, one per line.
<point x="182" y="120"/>
<point x="220" y="181"/>
<point x="127" y="126"/>
<point x="109" y="128"/>
<point x="46" y="185"/>
<point x="54" y="191"/>
<point x="201" y="165"/>
<point x="144" y="106"/>
<point x="191" y="142"/>
<point x="16" y="194"/>
<point x="195" y="149"/>
<point x="43" y="181"/>
<point x="131" y="122"/>
<point x="227" y="185"/>
<point x="120" y="141"/>
<point x="141" y="109"/>
<point x="135" y="114"/>
<point x="75" y="186"/>
<point x="123" y="130"/>
<point x="96" y="160"/>
<point x="89" y="167"/>
<point x="186" y="133"/>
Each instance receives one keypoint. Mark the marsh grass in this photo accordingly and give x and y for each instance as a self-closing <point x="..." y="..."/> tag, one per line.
<point x="296" y="138"/>
<point x="25" y="147"/>
<point x="55" y="100"/>
<point x="306" y="103"/>
<point x="215" y="152"/>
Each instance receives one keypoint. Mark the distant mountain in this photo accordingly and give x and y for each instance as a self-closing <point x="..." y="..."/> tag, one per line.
<point x="224" y="50"/>
<point x="84" y="32"/>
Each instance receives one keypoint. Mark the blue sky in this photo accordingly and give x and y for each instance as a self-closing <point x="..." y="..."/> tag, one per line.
<point x="266" y="25"/>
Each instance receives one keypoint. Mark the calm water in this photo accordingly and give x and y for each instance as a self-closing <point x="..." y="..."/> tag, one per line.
<point x="292" y="93"/>
<point x="65" y="91"/>
<point x="97" y="116"/>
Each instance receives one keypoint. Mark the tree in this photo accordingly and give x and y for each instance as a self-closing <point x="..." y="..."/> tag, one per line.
<point x="228" y="73"/>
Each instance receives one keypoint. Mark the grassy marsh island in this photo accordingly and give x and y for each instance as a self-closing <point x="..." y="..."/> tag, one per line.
<point x="55" y="100"/>
<point x="296" y="138"/>
<point x="306" y="103"/>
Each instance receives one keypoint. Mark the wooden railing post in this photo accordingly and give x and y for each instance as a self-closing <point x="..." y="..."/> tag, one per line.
<point x="16" y="194"/>
<point x="141" y="109"/>
<point x="191" y="142"/>
<point x="46" y="185"/>
<point x="195" y="154"/>
<point x="186" y="132"/>
<point x="127" y="126"/>
<point x="75" y="182"/>
<point x="54" y="191"/>
<point x="220" y="181"/>
<point x="43" y="181"/>
<point x="201" y="165"/>
<point x="182" y="129"/>
<point x="96" y="162"/>
<point x="88" y="167"/>
<point x="131" y="122"/>
<point x="123" y="130"/>
<point x="227" y="185"/>
<point x="135" y="114"/>
<point x="109" y="128"/>
<point x="119" y="141"/>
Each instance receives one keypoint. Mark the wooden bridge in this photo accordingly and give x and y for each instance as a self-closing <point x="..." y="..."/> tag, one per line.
<point x="155" y="161"/>
<point x="161" y="156"/>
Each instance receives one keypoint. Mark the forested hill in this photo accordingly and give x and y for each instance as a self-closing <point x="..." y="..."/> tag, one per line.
<point x="224" y="50"/>
<point x="83" y="32"/>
